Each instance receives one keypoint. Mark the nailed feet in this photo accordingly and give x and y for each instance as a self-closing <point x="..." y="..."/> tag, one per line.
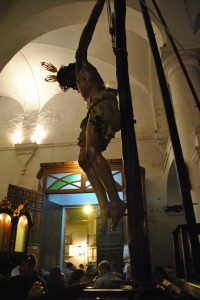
<point x="115" y="211"/>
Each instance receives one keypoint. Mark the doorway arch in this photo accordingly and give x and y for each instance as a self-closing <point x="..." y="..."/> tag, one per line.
<point x="65" y="186"/>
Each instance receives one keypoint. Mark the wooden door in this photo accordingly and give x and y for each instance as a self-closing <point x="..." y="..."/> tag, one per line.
<point x="51" y="235"/>
<point x="18" y="195"/>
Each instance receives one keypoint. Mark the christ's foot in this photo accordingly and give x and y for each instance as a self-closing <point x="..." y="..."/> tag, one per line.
<point x="117" y="211"/>
<point x="105" y="213"/>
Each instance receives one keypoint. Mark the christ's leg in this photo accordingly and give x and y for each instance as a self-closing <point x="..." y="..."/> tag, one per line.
<point x="103" y="171"/>
<point x="97" y="187"/>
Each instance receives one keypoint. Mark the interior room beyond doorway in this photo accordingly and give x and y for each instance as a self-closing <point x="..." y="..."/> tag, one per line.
<point x="80" y="234"/>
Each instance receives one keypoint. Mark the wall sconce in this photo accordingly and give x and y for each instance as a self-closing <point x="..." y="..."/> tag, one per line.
<point x="14" y="227"/>
<point x="174" y="210"/>
<point x="5" y="229"/>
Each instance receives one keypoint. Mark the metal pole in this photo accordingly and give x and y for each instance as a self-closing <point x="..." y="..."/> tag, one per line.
<point x="178" y="155"/>
<point x="138" y="235"/>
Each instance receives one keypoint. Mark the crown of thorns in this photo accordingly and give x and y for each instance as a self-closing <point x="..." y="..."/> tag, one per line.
<point x="49" y="67"/>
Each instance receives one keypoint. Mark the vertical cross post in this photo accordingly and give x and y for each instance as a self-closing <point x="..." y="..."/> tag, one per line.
<point x="137" y="219"/>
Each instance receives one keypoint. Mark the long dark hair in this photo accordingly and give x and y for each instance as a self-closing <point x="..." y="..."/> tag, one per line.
<point x="65" y="79"/>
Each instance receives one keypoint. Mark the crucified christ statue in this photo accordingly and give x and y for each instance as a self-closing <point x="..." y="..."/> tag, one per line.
<point x="99" y="126"/>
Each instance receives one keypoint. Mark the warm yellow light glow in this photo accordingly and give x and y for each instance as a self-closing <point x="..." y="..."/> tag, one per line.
<point x="71" y="250"/>
<point x="17" y="137"/>
<point x="82" y="249"/>
<point x="106" y="85"/>
<point x="23" y="219"/>
<point x="39" y="134"/>
<point x="5" y="217"/>
<point x="87" y="209"/>
<point x="22" y="230"/>
<point x="8" y="218"/>
<point x="5" y="231"/>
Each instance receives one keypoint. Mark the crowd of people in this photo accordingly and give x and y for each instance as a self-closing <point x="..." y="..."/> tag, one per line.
<point x="26" y="282"/>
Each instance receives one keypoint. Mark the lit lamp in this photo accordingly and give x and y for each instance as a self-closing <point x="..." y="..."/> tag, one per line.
<point x="21" y="234"/>
<point x="5" y="225"/>
<point x="14" y="227"/>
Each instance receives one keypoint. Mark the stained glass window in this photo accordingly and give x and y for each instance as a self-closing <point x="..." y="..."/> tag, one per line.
<point x="69" y="178"/>
<point x="64" y="181"/>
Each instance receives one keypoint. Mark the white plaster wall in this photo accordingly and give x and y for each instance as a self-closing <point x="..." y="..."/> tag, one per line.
<point x="160" y="224"/>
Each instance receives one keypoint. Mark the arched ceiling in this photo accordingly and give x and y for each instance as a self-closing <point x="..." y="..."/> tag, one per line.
<point x="49" y="30"/>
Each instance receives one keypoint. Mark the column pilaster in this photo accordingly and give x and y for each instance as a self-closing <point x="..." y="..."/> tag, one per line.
<point x="186" y="112"/>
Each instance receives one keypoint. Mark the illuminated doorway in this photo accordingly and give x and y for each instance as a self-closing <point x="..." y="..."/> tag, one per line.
<point x="80" y="235"/>
<point x="67" y="188"/>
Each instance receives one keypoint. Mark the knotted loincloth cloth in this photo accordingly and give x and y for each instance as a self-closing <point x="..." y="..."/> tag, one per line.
<point x="105" y="115"/>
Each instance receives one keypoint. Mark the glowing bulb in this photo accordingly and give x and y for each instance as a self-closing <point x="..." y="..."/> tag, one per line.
<point x="39" y="134"/>
<point x="17" y="137"/>
<point x="87" y="209"/>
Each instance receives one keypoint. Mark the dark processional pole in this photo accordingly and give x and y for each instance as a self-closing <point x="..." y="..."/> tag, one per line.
<point x="178" y="56"/>
<point x="137" y="221"/>
<point x="178" y="155"/>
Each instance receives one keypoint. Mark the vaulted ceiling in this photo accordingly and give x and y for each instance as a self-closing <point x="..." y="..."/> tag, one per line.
<point x="34" y="31"/>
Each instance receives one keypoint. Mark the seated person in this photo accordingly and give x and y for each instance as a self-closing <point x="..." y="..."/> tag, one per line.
<point x="78" y="278"/>
<point x="162" y="272"/>
<point x="68" y="270"/>
<point x="105" y="278"/>
<point x="163" y="277"/>
<point x="27" y="284"/>
<point x="55" y="282"/>
<point x="91" y="271"/>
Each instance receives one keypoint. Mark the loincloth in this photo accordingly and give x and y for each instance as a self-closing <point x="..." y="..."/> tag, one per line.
<point x="105" y="116"/>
